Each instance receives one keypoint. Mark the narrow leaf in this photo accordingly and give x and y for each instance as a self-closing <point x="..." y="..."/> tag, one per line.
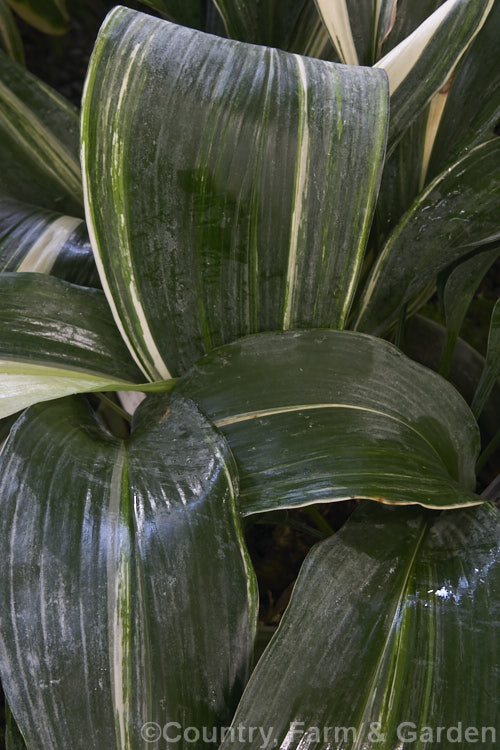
<point x="458" y="290"/>
<point x="57" y="339"/>
<point x="240" y="222"/>
<point x="393" y="629"/>
<point x="36" y="240"/>
<point x="421" y="64"/>
<point x="335" y="16"/>
<point x="455" y="213"/>
<point x="319" y="416"/>
<point x="130" y="598"/>
<point x="492" y="367"/>
<point x="473" y="106"/>
<point x="10" y="39"/>
<point x="38" y="142"/>
<point x="49" y="16"/>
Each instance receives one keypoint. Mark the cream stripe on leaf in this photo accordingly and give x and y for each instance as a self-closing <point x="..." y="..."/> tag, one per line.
<point x="38" y="143"/>
<point x="378" y="614"/>
<point x="420" y="65"/>
<point x="58" y="339"/>
<point x="37" y="240"/>
<point x="198" y="232"/>
<point x="319" y="416"/>
<point x="142" y="580"/>
<point x="464" y="198"/>
<point x="335" y="16"/>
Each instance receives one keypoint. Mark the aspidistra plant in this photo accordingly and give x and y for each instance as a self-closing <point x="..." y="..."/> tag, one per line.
<point x="229" y="190"/>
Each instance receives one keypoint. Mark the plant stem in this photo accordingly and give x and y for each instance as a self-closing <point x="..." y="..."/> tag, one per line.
<point x="319" y="520"/>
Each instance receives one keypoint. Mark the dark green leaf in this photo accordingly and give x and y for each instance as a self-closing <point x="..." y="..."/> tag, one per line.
<point x="473" y="106"/>
<point x="319" y="416"/>
<point x="393" y="626"/>
<point x="455" y="213"/>
<point x="492" y="367"/>
<point x="38" y="142"/>
<point x="36" y="240"/>
<point x="57" y="339"/>
<point x="49" y="16"/>
<point x="130" y="597"/>
<point x="458" y="289"/>
<point x="240" y="222"/>
<point x="10" y="40"/>
<point x="420" y="65"/>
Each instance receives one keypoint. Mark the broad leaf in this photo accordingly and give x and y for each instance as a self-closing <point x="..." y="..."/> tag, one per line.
<point x="129" y="597"/>
<point x="458" y="290"/>
<point x="253" y="218"/>
<point x="57" y="339"/>
<point x="10" y="39"/>
<point x="49" y="16"/>
<point x="319" y="416"/>
<point x="408" y="16"/>
<point x="36" y="240"/>
<point x="492" y="367"/>
<point x="38" y="142"/>
<point x="455" y="213"/>
<point x="473" y="105"/>
<point x="393" y="626"/>
<point x="422" y="63"/>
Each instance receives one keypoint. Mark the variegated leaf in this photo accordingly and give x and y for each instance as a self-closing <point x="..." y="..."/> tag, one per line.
<point x="38" y="142"/>
<point x="392" y="632"/>
<point x="455" y="213"/>
<point x="320" y="416"/>
<point x="253" y="218"/>
<point x="422" y="63"/>
<point x="130" y="598"/>
<point x="36" y="240"/>
<point x="57" y="339"/>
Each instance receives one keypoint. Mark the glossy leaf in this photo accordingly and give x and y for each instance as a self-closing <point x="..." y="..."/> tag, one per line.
<point x="473" y="106"/>
<point x="319" y="416"/>
<point x="492" y="367"/>
<point x="38" y="142"/>
<point x="458" y="290"/>
<point x="393" y="626"/>
<point x="57" y="339"/>
<point x="240" y="222"/>
<point x="36" y="240"/>
<point x="130" y="597"/>
<point x="10" y="39"/>
<point x="409" y="15"/>
<point x="49" y="16"/>
<point x="455" y="213"/>
<point x="420" y="65"/>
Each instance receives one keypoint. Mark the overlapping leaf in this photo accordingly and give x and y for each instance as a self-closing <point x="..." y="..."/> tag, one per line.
<point x="422" y="63"/>
<point x="393" y="628"/>
<point x="455" y="213"/>
<point x="38" y="142"/>
<point x="318" y="416"/>
<point x="57" y="339"/>
<point x="41" y="241"/>
<point x="129" y="595"/>
<point x="253" y="218"/>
